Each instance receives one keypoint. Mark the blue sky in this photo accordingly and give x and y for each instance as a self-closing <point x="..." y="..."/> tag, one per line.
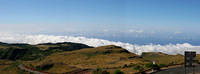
<point x="141" y="18"/>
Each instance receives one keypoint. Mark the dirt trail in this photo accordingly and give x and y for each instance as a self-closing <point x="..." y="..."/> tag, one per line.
<point x="22" y="67"/>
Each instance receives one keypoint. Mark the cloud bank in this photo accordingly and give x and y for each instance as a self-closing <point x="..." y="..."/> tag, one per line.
<point x="134" y="48"/>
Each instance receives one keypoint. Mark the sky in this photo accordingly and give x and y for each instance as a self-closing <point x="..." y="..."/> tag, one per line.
<point x="147" y="21"/>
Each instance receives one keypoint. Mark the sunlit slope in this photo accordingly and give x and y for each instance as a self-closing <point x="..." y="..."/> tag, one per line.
<point x="162" y="58"/>
<point x="76" y="58"/>
<point x="107" y="57"/>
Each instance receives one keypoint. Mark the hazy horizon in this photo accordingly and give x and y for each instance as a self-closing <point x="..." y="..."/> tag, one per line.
<point x="130" y="21"/>
<point x="99" y="36"/>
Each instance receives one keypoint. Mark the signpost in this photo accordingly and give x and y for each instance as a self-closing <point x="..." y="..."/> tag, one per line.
<point x="189" y="60"/>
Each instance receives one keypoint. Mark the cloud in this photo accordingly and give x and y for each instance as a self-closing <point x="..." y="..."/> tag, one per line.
<point x="138" y="49"/>
<point x="105" y="30"/>
<point x="177" y="32"/>
<point x="135" y="31"/>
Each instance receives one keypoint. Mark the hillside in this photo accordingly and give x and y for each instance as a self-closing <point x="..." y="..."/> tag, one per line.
<point x="162" y="58"/>
<point x="106" y="57"/>
<point x="74" y="58"/>
<point x="32" y="52"/>
<point x="109" y="58"/>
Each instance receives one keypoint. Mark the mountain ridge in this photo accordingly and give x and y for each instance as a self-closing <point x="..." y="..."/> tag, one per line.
<point x="22" y="51"/>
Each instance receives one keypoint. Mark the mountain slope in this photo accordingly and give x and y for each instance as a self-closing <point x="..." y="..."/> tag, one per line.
<point x="73" y="58"/>
<point x="32" y="52"/>
<point x="107" y="57"/>
<point x="162" y="58"/>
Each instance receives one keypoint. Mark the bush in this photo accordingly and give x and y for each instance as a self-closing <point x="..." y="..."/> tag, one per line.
<point x="100" y="71"/>
<point x="105" y="72"/>
<point x="125" y="66"/>
<point x="118" y="72"/>
<point x="139" y="68"/>
<point x="22" y="72"/>
<point x="31" y="66"/>
<point x="171" y="63"/>
<point x="15" y="64"/>
<point x="149" y="65"/>
<point x="154" y="66"/>
<point x="12" y="66"/>
<point x="162" y="65"/>
<point x="44" y="67"/>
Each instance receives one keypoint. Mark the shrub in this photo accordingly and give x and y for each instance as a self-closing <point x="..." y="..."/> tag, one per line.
<point x="44" y="67"/>
<point x="154" y="66"/>
<point x="31" y="66"/>
<point x="125" y="66"/>
<point x="149" y="65"/>
<point x="100" y="71"/>
<point x="22" y="72"/>
<point x="12" y="66"/>
<point x="162" y="65"/>
<point x="105" y="72"/>
<point x="138" y="68"/>
<point x="118" y="72"/>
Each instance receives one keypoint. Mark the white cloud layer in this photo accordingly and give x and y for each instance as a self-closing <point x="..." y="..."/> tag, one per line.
<point x="138" y="49"/>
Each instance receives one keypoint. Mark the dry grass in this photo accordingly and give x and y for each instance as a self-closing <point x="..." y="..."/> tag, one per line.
<point x="109" y="58"/>
<point x="106" y="57"/>
<point x="161" y="58"/>
<point x="7" y="68"/>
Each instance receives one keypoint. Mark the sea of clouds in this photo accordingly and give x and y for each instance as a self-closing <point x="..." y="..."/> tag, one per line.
<point x="134" y="48"/>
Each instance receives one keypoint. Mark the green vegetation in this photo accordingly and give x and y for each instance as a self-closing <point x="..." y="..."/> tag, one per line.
<point x="65" y="46"/>
<point x="67" y="57"/>
<point x="44" y="67"/>
<point x="149" y="65"/>
<point x="13" y="65"/>
<point x="12" y="68"/>
<point x="20" y="53"/>
<point x="31" y="52"/>
<point x="118" y="72"/>
<point x="138" y="68"/>
<point x="107" y="58"/>
<point x="162" y="65"/>
<point x="100" y="71"/>
<point x="154" y="66"/>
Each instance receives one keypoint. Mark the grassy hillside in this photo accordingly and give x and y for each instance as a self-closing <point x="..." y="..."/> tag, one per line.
<point x="162" y="58"/>
<point x="10" y="53"/>
<point x="107" y="57"/>
<point x="10" y="67"/>
<point x="32" y="52"/>
<point x="73" y="58"/>
<point x="65" y="46"/>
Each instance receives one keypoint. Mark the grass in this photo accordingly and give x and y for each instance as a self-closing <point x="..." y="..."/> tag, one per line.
<point x="161" y="58"/>
<point x="10" y="67"/>
<point x="109" y="58"/>
<point x="106" y="57"/>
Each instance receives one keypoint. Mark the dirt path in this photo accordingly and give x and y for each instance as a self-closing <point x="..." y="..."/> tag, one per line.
<point x="22" y="67"/>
